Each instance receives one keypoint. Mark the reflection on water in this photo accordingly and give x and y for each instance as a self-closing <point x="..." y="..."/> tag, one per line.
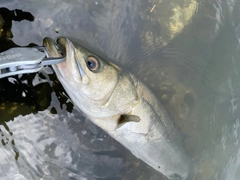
<point x="49" y="148"/>
<point x="6" y="18"/>
<point x="187" y="52"/>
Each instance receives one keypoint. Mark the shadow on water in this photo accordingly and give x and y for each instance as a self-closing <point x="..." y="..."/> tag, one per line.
<point x="31" y="91"/>
<point x="6" y="18"/>
<point x="28" y="93"/>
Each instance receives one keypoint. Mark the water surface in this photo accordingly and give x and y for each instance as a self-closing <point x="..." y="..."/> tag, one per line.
<point x="187" y="52"/>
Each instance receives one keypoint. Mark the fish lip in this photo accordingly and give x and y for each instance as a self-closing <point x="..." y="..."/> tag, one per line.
<point x="53" y="52"/>
<point x="71" y="67"/>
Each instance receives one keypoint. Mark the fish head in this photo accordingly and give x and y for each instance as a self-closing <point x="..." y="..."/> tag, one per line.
<point x="89" y="80"/>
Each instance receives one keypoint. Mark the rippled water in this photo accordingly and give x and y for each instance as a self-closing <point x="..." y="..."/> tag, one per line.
<point x="187" y="52"/>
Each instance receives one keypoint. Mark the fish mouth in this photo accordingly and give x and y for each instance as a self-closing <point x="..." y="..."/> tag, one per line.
<point x="52" y="51"/>
<point x="75" y="65"/>
<point x="70" y="69"/>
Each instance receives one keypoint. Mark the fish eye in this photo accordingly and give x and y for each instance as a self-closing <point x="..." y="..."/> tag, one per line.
<point x="93" y="63"/>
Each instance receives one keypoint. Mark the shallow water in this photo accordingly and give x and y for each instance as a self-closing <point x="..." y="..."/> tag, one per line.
<point x="187" y="52"/>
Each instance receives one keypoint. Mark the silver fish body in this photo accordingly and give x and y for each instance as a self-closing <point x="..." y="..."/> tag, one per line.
<point x="122" y="106"/>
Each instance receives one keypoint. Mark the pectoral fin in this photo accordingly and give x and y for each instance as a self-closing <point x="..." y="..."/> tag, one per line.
<point x="125" y="118"/>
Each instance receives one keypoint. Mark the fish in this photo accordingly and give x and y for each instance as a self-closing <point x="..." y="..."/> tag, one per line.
<point x="119" y="103"/>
